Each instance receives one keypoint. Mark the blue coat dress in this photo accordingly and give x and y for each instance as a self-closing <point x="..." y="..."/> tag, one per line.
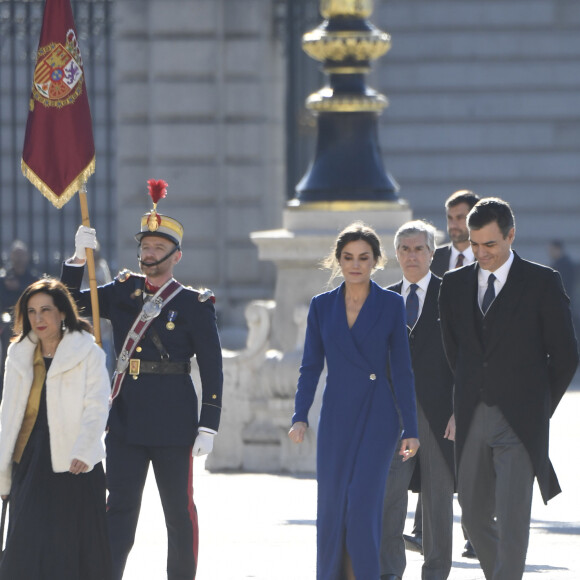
<point x="362" y="417"/>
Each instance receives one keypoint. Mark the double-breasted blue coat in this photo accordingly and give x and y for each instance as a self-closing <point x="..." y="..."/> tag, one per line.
<point x="362" y="418"/>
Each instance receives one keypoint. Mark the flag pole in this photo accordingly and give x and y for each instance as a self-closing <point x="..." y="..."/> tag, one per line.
<point x="91" y="266"/>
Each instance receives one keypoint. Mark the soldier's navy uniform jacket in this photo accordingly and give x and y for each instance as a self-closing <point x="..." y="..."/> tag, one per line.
<point x="154" y="418"/>
<point x="159" y="409"/>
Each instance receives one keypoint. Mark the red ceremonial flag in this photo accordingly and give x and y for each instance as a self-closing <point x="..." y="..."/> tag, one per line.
<point x="59" y="152"/>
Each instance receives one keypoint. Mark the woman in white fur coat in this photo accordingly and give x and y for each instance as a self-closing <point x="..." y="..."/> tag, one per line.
<point x="52" y="418"/>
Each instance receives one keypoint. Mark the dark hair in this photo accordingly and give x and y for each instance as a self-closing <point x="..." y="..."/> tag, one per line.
<point x="462" y="196"/>
<point x="62" y="300"/>
<point x="489" y="210"/>
<point x="352" y="233"/>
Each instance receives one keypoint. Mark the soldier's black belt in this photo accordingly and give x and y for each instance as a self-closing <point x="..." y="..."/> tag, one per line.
<point x="140" y="367"/>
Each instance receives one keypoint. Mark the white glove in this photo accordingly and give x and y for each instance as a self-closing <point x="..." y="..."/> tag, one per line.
<point x="84" y="238"/>
<point x="203" y="444"/>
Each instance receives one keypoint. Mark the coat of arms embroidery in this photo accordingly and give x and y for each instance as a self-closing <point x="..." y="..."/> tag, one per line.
<point x="58" y="73"/>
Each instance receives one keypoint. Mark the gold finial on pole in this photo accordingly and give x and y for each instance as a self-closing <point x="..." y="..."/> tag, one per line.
<point x="346" y="43"/>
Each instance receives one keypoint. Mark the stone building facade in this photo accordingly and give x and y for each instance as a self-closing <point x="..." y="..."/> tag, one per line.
<point x="482" y="95"/>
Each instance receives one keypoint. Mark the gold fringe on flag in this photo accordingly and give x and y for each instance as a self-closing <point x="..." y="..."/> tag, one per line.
<point x="59" y="200"/>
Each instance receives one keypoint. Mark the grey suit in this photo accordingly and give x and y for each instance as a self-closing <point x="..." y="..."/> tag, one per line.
<point x="432" y="469"/>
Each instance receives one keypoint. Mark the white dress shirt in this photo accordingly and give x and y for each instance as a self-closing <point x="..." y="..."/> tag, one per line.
<point x="468" y="257"/>
<point x="500" y="274"/>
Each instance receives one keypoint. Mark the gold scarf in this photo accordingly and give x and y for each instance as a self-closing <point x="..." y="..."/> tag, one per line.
<point x="32" y="406"/>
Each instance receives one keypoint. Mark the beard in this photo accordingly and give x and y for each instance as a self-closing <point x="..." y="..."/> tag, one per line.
<point x="156" y="270"/>
<point x="458" y="236"/>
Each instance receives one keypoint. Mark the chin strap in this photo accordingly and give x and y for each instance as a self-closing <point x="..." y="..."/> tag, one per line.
<point x="175" y="249"/>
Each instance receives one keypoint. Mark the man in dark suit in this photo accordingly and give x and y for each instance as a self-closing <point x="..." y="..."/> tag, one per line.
<point x="458" y="252"/>
<point x="453" y="255"/>
<point x="433" y="466"/>
<point x="158" y="326"/>
<point x="508" y="336"/>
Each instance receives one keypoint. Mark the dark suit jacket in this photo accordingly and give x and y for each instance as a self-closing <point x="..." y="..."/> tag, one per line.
<point x="433" y="377"/>
<point x="440" y="263"/>
<point x="527" y="362"/>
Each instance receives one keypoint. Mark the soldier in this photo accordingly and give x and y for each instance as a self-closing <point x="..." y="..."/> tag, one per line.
<point x="158" y="325"/>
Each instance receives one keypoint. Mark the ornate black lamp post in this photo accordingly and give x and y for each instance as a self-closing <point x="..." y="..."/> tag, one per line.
<point x="348" y="165"/>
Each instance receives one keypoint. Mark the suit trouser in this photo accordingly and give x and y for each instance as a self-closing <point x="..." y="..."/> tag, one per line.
<point x="495" y="485"/>
<point x="437" y="483"/>
<point x="127" y="467"/>
<point x="418" y="521"/>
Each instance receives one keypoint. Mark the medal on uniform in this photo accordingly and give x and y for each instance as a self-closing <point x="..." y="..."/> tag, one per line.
<point x="151" y="309"/>
<point x="171" y="316"/>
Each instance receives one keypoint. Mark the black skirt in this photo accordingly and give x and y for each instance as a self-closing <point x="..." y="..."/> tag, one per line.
<point x="57" y="527"/>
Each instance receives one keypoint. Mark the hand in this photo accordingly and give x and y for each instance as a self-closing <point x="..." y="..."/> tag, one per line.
<point x="4" y="497"/>
<point x="84" y="238"/>
<point x="450" y="429"/>
<point x="203" y="444"/>
<point x="297" y="432"/>
<point x="409" y="448"/>
<point x="77" y="466"/>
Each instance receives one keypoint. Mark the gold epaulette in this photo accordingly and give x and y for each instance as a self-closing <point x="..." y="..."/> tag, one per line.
<point x="124" y="275"/>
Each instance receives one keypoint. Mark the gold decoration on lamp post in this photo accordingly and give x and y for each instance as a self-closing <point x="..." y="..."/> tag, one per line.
<point x="354" y="9"/>
<point x="346" y="43"/>
<point x="339" y="45"/>
<point x="348" y="164"/>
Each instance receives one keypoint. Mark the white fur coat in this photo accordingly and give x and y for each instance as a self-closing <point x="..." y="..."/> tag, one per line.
<point x="77" y="401"/>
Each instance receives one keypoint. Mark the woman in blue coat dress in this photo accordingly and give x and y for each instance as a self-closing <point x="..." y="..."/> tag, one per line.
<point x="368" y="407"/>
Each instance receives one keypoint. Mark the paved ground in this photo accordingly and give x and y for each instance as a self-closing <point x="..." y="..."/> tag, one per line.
<point x="262" y="526"/>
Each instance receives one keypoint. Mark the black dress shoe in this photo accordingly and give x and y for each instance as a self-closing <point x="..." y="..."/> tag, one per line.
<point x="390" y="577"/>
<point x="468" y="551"/>
<point x="413" y="543"/>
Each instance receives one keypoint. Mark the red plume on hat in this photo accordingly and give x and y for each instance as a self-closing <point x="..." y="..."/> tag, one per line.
<point x="157" y="190"/>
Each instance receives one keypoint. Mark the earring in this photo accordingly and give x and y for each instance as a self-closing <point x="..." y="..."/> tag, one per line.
<point x="62" y="325"/>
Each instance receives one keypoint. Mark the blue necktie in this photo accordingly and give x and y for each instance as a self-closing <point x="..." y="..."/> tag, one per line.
<point x="489" y="295"/>
<point x="412" y="305"/>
